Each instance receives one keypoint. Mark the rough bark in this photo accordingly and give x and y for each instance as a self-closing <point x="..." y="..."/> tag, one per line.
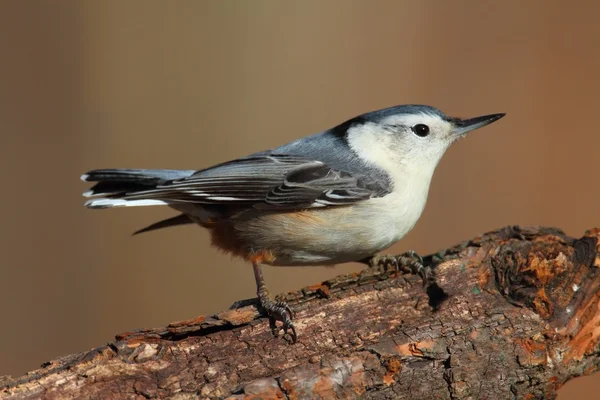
<point x="516" y="314"/>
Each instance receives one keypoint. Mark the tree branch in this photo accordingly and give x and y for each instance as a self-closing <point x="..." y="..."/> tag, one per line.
<point x="520" y="317"/>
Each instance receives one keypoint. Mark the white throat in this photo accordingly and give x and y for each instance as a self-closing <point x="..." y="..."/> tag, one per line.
<point x="407" y="169"/>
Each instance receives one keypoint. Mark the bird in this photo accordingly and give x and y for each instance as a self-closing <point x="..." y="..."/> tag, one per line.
<point x="338" y="196"/>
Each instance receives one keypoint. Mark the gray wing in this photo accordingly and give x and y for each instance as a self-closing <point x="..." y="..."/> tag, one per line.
<point x="273" y="180"/>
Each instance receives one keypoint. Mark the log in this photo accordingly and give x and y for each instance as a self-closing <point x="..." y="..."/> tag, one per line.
<point x="514" y="313"/>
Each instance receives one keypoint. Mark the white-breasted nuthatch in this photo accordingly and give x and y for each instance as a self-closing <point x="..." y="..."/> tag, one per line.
<point x="338" y="196"/>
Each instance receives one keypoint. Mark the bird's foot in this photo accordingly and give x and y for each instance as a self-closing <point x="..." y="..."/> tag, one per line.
<point x="409" y="263"/>
<point x="278" y="311"/>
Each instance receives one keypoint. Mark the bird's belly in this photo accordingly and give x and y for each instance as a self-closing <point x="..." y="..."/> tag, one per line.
<point x="322" y="236"/>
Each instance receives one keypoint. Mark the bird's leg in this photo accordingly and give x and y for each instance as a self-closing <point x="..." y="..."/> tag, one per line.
<point x="409" y="262"/>
<point x="277" y="310"/>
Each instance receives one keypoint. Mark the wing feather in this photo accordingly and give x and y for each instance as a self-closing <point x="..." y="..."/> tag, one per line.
<point x="278" y="181"/>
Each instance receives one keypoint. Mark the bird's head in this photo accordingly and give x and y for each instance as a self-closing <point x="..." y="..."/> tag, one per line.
<point x="409" y="137"/>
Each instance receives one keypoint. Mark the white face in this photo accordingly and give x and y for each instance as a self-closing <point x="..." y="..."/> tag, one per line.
<point x="404" y="142"/>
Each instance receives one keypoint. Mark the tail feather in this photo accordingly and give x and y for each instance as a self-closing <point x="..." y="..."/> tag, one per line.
<point x="112" y="184"/>
<point x="105" y="188"/>
<point x="134" y="175"/>
<point x="180" y="219"/>
<point x="116" y="202"/>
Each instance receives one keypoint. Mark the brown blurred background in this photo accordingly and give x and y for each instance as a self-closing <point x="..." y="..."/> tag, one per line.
<point x="94" y="84"/>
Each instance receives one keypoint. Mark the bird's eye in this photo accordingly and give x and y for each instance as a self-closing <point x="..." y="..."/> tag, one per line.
<point x="421" y="130"/>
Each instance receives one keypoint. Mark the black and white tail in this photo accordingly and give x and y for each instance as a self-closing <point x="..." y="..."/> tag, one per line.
<point x="114" y="184"/>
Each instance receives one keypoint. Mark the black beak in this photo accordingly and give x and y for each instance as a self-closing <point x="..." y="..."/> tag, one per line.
<point x="463" y="126"/>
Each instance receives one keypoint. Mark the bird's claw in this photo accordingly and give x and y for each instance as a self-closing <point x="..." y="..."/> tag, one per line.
<point x="280" y="311"/>
<point x="409" y="262"/>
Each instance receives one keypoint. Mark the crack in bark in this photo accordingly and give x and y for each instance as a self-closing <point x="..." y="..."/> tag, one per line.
<point x="448" y="375"/>
<point x="283" y="390"/>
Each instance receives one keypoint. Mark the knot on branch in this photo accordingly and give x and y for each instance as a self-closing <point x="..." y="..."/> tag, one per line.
<point x="544" y="273"/>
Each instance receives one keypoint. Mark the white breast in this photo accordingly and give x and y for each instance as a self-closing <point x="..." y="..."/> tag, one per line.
<point x="398" y="212"/>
